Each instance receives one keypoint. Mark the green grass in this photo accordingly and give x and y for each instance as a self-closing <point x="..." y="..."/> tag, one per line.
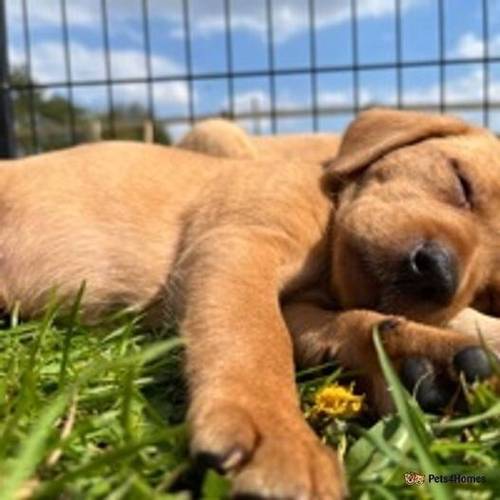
<point x="97" y="412"/>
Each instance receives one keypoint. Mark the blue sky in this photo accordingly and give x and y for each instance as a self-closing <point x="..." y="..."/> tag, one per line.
<point x="376" y="40"/>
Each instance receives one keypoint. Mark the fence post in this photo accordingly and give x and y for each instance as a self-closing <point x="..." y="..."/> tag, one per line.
<point x="95" y="130"/>
<point x="148" y="131"/>
<point x="7" y="147"/>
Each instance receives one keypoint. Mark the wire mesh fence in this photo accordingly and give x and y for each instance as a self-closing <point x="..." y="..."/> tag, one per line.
<point x="271" y="66"/>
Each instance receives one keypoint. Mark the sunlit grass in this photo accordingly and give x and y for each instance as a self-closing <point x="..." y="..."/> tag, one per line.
<point x="97" y="412"/>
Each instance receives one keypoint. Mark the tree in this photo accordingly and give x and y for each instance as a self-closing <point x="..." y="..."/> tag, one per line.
<point x="129" y="121"/>
<point x="49" y="113"/>
<point x="52" y="113"/>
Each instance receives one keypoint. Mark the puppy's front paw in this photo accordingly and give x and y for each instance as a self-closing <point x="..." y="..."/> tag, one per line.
<point x="268" y="453"/>
<point x="433" y="386"/>
<point x="428" y="358"/>
<point x="431" y="360"/>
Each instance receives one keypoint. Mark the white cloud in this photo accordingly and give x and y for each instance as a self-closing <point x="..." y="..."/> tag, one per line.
<point x="260" y="100"/>
<point x="335" y="98"/>
<point x="467" y="88"/>
<point x="176" y="131"/>
<point x="251" y="100"/>
<point x="290" y="17"/>
<point x="88" y="64"/>
<point x="48" y="12"/>
<point x="81" y="13"/>
<point x="470" y="45"/>
<point x="345" y="97"/>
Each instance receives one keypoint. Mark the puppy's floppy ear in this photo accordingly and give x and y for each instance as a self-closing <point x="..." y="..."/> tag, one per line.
<point x="379" y="131"/>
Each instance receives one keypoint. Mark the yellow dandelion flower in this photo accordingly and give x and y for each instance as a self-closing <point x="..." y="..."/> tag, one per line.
<point x="335" y="400"/>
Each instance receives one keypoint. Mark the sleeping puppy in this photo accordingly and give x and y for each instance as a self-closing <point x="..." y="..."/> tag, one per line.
<point x="226" y="139"/>
<point x="262" y="265"/>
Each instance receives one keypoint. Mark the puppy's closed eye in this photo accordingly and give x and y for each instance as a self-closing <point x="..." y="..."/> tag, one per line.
<point x="464" y="189"/>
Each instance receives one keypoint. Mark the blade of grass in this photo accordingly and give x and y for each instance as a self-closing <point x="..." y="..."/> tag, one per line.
<point x="400" y="397"/>
<point x="106" y="459"/>
<point x="68" y="334"/>
<point x="494" y="360"/>
<point x="492" y="412"/>
<point x="145" y="356"/>
<point x="28" y="374"/>
<point x="383" y="492"/>
<point x="127" y="394"/>
<point x="32" y="451"/>
<point x="393" y="454"/>
<point x="47" y="321"/>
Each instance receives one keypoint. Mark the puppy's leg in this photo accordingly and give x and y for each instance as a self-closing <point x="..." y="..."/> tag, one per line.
<point x="244" y="415"/>
<point x="320" y="335"/>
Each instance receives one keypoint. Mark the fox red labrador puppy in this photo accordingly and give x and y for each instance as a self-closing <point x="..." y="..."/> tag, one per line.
<point x="264" y="265"/>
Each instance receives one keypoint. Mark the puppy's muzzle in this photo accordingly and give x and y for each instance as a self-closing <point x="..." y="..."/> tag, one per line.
<point x="429" y="273"/>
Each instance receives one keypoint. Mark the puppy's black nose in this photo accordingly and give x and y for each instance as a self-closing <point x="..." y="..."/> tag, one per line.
<point x="430" y="273"/>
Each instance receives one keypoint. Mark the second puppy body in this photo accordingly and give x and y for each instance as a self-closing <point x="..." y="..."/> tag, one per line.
<point x="225" y="139"/>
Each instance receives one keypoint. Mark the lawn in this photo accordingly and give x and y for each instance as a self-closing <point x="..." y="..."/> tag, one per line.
<point x="97" y="412"/>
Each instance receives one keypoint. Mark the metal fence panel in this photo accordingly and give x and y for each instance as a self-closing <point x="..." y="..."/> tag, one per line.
<point x="35" y="129"/>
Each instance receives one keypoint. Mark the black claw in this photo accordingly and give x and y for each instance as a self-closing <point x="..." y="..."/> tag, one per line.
<point x="222" y="462"/>
<point x="189" y="479"/>
<point x="473" y="362"/>
<point x="206" y="460"/>
<point x="432" y="394"/>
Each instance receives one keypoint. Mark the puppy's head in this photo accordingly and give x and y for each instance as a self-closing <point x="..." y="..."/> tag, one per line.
<point x="417" y="220"/>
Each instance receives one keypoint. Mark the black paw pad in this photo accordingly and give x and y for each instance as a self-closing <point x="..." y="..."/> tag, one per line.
<point x="432" y="394"/>
<point x="414" y="369"/>
<point x="474" y="363"/>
